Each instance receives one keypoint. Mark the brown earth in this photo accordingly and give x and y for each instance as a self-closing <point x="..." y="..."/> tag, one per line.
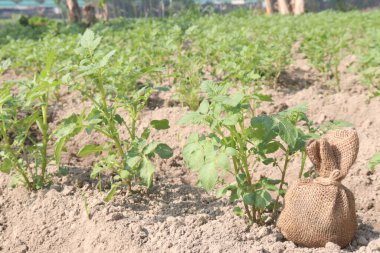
<point x="176" y="216"/>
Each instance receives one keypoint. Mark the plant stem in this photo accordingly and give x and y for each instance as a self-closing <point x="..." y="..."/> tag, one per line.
<point x="133" y="127"/>
<point x="15" y="159"/>
<point x="253" y="214"/>
<point x="114" y="134"/>
<point x="303" y="160"/>
<point x="245" y="169"/>
<point x="283" y="173"/>
<point x="45" y="137"/>
<point x="113" y="131"/>
<point x="248" y="213"/>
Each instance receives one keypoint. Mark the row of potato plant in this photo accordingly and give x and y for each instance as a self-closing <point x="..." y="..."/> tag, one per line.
<point x="26" y="136"/>
<point x="240" y="47"/>
<point x="232" y="145"/>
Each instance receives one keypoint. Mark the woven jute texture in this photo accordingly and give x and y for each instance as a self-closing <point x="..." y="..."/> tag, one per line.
<point x="321" y="210"/>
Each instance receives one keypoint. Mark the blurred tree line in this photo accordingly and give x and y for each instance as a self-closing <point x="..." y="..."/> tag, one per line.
<point x="104" y="9"/>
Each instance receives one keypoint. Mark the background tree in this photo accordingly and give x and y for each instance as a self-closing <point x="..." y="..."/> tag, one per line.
<point x="283" y="7"/>
<point x="299" y="7"/>
<point x="74" y="11"/>
<point x="268" y="7"/>
<point x="104" y="7"/>
<point x="89" y="14"/>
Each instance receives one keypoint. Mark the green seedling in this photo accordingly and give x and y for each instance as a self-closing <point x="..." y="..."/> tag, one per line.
<point x="237" y="147"/>
<point x="24" y="130"/>
<point x="129" y="158"/>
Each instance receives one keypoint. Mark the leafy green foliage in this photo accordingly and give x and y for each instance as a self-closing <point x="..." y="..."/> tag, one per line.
<point x="129" y="158"/>
<point x="4" y="65"/>
<point x="24" y="128"/>
<point x="235" y="147"/>
<point x="239" y="47"/>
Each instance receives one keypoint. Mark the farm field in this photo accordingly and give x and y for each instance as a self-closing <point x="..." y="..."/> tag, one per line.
<point x="98" y="128"/>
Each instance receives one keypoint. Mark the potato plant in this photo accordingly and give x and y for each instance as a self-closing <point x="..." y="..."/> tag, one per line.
<point x="369" y="59"/>
<point x="236" y="146"/>
<point x="24" y="128"/>
<point x="128" y="158"/>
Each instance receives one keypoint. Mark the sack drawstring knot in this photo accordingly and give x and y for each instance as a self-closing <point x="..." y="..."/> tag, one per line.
<point x="333" y="179"/>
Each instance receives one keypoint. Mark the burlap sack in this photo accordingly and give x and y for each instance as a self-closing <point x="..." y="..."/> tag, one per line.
<point x="321" y="210"/>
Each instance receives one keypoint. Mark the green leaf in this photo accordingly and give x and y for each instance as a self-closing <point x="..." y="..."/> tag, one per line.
<point x="193" y="155"/>
<point x="288" y="132"/>
<point x="133" y="161"/>
<point x="49" y="61"/>
<point x="89" y="149"/>
<point x="237" y="211"/>
<point x="192" y="118"/>
<point x="146" y="172"/>
<point x="231" y="120"/>
<point x="118" y="119"/>
<point x="271" y="147"/>
<point x="160" y="124"/>
<point x="104" y="61"/>
<point x="222" y="161"/>
<point x="203" y="107"/>
<point x="96" y="170"/>
<point x="302" y="108"/>
<point x="250" y="198"/>
<point x="268" y="161"/>
<point x="222" y="191"/>
<point x="164" y="151"/>
<point x="58" y="150"/>
<point x="89" y="41"/>
<point x="213" y="89"/>
<point x="124" y="174"/>
<point x="374" y="161"/>
<point x="69" y="127"/>
<point x="150" y="147"/>
<point x="234" y="100"/>
<point x="259" y="199"/>
<point x="6" y="166"/>
<point x="112" y="192"/>
<point x="145" y="135"/>
<point x="263" y="128"/>
<point x="208" y="176"/>
<point x="231" y="151"/>
<point x="5" y="96"/>
<point x="262" y="121"/>
<point x="270" y="184"/>
<point x="261" y="97"/>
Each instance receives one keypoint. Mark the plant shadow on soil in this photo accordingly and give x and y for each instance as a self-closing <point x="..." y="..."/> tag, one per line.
<point x="74" y="176"/>
<point x="183" y="199"/>
<point x="172" y="200"/>
<point x="292" y="81"/>
<point x="165" y="198"/>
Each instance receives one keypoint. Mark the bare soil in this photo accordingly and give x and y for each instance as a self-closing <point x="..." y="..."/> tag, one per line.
<point x="177" y="216"/>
